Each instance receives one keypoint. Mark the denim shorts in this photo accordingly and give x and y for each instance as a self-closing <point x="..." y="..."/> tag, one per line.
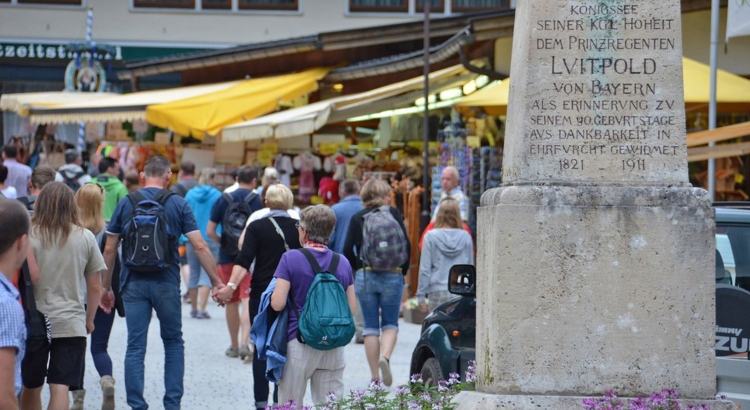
<point x="379" y="294"/>
<point x="198" y="276"/>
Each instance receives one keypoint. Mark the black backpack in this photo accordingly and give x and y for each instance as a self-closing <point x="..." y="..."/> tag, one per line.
<point x="235" y="218"/>
<point x="148" y="244"/>
<point x="72" y="183"/>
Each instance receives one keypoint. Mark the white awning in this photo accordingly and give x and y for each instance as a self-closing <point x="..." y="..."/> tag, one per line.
<point x="21" y="103"/>
<point x="310" y="118"/>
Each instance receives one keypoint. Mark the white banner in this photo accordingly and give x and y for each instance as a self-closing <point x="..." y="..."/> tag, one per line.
<point x="738" y="18"/>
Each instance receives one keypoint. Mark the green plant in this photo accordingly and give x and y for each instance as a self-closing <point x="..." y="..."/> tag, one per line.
<point x="414" y="396"/>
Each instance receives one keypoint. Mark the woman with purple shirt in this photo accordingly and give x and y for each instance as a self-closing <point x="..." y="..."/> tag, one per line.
<point x="294" y="275"/>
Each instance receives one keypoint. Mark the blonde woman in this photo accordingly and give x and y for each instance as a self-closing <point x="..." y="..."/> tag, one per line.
<point x="69" y="264"/>
<point x="379" y="291"/>
<point x="447" y="244"/>
<point x="90" y="201"/>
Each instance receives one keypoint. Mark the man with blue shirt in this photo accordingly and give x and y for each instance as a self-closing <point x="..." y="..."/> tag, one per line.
<point x="247" y="179"/>
<point x="344" y="210"/>
<point x="13" y="249"/>
<point x="144" y="292"/>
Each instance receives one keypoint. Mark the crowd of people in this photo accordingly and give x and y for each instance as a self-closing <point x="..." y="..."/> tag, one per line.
<point x="78" y="249"/>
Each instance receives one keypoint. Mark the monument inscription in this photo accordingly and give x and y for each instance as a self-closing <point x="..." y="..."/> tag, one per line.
<point x="602" y="95"/>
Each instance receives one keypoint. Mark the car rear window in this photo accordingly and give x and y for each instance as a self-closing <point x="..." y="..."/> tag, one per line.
<point x="733" y="255"/>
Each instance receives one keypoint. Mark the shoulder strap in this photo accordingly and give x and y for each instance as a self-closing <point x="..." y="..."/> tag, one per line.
<point x="135" y="198"/>
<point x="79" y="175"/>
<point x="228" y="197"/>
<point x="249" y="198"/>
<point x="280" y="232"/>
<point x="334" y="265"/>
<point x="311" y="260"/>
<point x="30" y="302"/>
<point x="163" y="195"/>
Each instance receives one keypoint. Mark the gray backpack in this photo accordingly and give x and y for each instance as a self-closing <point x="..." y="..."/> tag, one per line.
<point x="384" y="244"/>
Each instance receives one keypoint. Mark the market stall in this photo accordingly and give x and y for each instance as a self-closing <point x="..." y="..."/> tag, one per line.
<point x="137" y="125"/>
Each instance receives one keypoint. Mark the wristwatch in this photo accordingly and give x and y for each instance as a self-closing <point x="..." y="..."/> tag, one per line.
<point x="232" y="285"/>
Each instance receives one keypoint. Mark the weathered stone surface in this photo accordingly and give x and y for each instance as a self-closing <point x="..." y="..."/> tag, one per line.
<point x="587" y="289"/>
<point x="481" y="401"/>
<point x="596" y="94"/>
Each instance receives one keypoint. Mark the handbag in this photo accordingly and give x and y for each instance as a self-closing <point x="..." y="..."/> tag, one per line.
<point x="38" y="328"/>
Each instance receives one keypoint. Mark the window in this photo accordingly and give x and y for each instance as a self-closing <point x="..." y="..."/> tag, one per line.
<point x="216" y="4"/>
<point x="462" y="6"/>
<point x="732" y="244"/>
<point x="269" y="5"/>
<point x="436" y="6"/>
<point x="54" y="2"/>
<point x="379" y="5"/>
<point x="171" y="4"/>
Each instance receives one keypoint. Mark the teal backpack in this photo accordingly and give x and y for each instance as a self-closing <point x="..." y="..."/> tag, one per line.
<point x="326" y="321"/>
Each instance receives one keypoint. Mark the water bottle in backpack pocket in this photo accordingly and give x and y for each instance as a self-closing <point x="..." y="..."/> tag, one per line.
<point x="326" y="321"/>
<point x="148" y="244"/>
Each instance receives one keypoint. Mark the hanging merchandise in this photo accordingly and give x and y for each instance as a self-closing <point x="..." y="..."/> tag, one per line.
<point x="283" y="163"/>
<point x="329" y="190"/>
<point x="336" y="164"/>
<point x="306" y="163"/>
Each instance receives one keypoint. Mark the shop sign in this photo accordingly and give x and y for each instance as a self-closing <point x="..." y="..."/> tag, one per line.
<point x="51" y="51"/>
<point x="60" y="51"/>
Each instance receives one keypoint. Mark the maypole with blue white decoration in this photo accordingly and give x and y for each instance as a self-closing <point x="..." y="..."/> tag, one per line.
<point x="89" y="29"/>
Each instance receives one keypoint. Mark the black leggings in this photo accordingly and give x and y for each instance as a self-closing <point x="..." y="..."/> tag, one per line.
<point x="260" y="383"/>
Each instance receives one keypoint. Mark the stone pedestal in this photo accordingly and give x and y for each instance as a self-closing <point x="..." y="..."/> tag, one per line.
<point x="587" y="289"/>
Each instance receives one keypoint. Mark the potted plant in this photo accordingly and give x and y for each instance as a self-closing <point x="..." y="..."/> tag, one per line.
<point x="412" y="313"/>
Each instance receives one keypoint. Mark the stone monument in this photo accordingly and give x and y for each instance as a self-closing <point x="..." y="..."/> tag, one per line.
<point x="596" y="256"/>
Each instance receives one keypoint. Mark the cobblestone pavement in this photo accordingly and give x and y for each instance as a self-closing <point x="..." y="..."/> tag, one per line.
<point x="215" y="381"/>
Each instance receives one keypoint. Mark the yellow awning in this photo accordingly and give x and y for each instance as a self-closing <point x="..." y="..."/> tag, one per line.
<point x="23" y="102"/>
<point x="731" y="89"/>
<point x="310" y="118"/>
<point x="211" y="112"/>
<point x="125" y="107"/>
<point x="695" y="139"/>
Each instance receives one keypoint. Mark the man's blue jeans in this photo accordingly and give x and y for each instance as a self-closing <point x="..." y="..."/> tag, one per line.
<point x="140" y="296"/>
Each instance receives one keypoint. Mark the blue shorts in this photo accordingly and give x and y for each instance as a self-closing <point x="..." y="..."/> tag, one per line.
<point x="198" y="276"/>
<point x="379" y="295"/>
